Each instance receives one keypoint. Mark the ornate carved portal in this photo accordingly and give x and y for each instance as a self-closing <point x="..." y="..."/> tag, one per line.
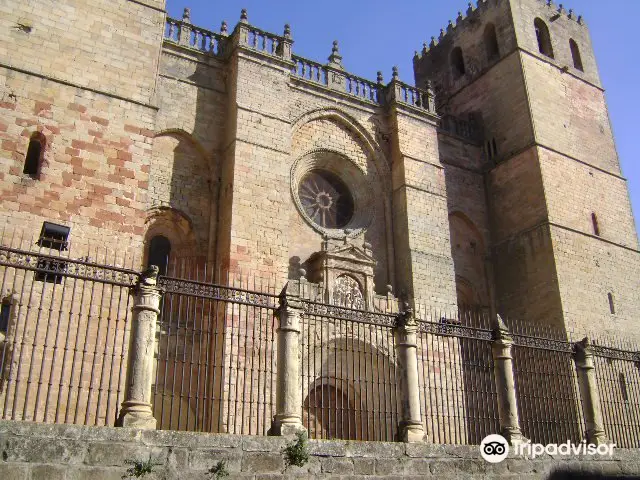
<point x="344" y="272"/>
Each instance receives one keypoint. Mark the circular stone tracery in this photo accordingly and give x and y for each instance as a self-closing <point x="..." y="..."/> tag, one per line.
<point x="327" y="183"/>
<point x="326" y="199"/>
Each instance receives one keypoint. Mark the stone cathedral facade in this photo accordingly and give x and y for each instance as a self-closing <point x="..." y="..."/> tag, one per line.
<point x="494" y="183"/>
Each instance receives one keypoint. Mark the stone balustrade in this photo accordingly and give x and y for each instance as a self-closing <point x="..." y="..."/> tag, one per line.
<point x="363" y="88"/>
<point x="415" y="97"/>
<point x="262" y="41"/>
<point x="309" y="70"/>
<point x="332" y="76"/>
<point x="183" y="33"/>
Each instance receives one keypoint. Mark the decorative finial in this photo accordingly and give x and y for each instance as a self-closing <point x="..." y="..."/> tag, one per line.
<point x="244" y="18"/>
<point x="287" y="31"/>
<point x="149" y="277"/>
<point x="429" y="86"/>
<point x="441" y="33"/>
<point x="450" y="26"/>
<point x="186" y="15"/>
<point x="433" y="42"/>
<point x="580" y="19"/>
<point x="571" y="13"/>
<point x="224" y="28"/>
<point x="425" y="47"/>
<point x="470" y="9"/>
<point x="394" y="74"/>
<point x="380" y="78"/>
<point x="561" y="9"/>
<point x="335" y="59"/>
<point x="302" y="272"/>
<point x="389" y="289"/>
<point x="459" y="17"/>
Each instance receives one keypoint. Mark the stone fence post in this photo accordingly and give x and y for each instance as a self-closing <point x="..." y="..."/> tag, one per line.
<point x="505" y="384"/>
<point x="410" y="428"/>
<point x="136" y="409"/>
<point x="185" y="28"/>
<point x="583" y="357"/>
<point x="288" y="417"/>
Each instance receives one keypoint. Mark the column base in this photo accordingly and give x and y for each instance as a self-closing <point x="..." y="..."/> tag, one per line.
<point x="514" y="436"/>
<point x="412" y="432"/>
<point x="596" y="437"/>
<point x="284" y="425"/>
<point x="136" y="414"/>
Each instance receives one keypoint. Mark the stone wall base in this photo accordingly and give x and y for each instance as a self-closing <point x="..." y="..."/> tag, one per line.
<point x="69" y="452"/>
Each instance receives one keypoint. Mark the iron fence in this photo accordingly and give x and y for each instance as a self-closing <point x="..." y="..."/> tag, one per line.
<point x="215" y="368"/>
<point x="349" y="385"/>
<point x="549" y="402"/>
<point x="64" y="332"/>
<point x="617" y="368"/>
<point x="457" y="385"/>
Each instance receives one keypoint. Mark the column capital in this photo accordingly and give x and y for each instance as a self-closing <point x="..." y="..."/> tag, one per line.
<point x="147" y="292"/>
<point x="501" y="333"/>
<point x="583" y="354"/>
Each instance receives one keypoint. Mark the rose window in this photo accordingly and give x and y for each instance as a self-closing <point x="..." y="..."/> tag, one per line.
<point x="326" y="199"/>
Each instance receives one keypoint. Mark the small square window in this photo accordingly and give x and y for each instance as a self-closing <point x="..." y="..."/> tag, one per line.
<point x="54" y="237"/>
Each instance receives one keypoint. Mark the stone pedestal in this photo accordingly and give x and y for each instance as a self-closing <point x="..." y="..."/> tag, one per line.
<point x="410" y="427"/>
<point x="288" y="417"/>
<point x="136" y="410"/>
<point x="583" y="357"/>
<point x="505" y="385"/>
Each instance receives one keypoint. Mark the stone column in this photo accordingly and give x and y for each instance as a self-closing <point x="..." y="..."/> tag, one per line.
<point x="505" y="384"/>
<point x="136" y="409"/>
<point x="583" y="357"/>
<point x="410" y="428"/>
<point x="288" y="417"/>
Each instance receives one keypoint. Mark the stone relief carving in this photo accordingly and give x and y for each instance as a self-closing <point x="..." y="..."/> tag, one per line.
<point x="347" y="293"/>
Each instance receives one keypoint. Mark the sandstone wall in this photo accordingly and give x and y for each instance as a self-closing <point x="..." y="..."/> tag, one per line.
<point x="64" y="452"/>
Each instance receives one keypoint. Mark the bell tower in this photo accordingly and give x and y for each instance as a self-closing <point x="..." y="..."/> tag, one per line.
<point x="561" y="235"/>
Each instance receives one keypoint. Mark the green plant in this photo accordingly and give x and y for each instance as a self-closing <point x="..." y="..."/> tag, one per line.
<point x="219" y="470"/>
<point x="297" y="453"/>
<point x="139" y="468"/>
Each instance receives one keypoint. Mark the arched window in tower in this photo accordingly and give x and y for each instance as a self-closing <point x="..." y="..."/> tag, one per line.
<point x="491" y="42"/>
<point x="159" y="251"/>
<point x="457" y="62"/>
<point x="575" y="54"/>
<point x="596" y="226"/>
<point x="33" y="160"/>
<point x="544" y="38"/>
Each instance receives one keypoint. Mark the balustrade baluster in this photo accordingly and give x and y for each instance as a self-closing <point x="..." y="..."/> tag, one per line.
<point x="255" y="40"/>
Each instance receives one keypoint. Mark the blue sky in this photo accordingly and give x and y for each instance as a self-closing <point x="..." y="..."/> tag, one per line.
<point x="376" y="34"/>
